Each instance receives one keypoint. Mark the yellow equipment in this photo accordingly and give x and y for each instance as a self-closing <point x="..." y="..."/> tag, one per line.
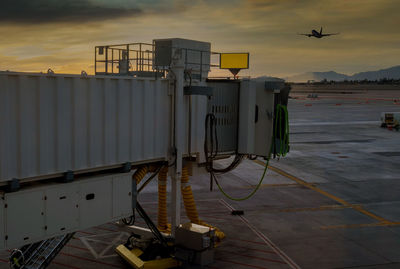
<point x="190" y="205"/>
<point x="132" y="257"/>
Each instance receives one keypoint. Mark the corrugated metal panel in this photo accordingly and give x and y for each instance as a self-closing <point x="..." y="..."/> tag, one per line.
<point x="52" y="124"/>
<point x="194" y="123"/>
<point x="224" y="104"/>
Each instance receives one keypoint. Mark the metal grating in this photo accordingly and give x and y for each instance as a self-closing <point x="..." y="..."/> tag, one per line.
<point x="224" y="104"/>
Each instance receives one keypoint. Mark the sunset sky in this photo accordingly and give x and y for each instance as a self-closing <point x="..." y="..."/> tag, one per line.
<point x="61" y="34"/>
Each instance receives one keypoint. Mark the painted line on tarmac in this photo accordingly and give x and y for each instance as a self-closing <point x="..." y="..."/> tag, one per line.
<point x="271" y="185"/>
<point x="252" y="257"/>
<point x="347" y="226"/>
<point x="264" y="238"/>
<point x="89" y="260"/>
<point x="242" y="264"/>
<point x="327" y="194"/>
<point x="319" y="208"/>
<point x="326" y="123"/>
<point x="356" y="98"/>
<point x="202" y="200"/>
<point x="252" y="249"/>
<point x="65" y="265"/>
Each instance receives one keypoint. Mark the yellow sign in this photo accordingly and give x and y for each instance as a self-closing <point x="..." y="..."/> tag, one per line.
<point x="234" y="61"/>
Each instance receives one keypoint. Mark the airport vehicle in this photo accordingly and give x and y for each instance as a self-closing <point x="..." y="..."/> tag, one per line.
<point x="75" y="150"/>
<point x="316" y="34"/>
<point x="390" y="120"/>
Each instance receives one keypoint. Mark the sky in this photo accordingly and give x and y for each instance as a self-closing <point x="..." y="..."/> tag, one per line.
<point x="61" y="34"/>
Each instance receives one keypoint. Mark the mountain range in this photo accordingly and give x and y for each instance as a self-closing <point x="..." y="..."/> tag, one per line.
<point x="389" y="73"/>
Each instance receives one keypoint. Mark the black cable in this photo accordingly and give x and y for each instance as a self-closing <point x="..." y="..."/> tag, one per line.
<point x="129" y="221"/>
<point x="233" y="165"/>
<point x="208" y="143"/>
<point x="210" y="125"/>
<point x="210" y="135"/>
<point x="153" y="228"/>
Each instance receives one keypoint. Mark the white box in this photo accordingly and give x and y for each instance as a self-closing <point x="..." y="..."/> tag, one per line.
<point x="194" y="53"/>
<point x="256" y="117"/>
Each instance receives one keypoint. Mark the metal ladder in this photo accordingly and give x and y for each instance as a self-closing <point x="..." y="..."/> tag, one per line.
<point x="39" y="255"/>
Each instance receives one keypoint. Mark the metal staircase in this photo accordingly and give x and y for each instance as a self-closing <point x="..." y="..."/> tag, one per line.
<point x="38" y="255"/>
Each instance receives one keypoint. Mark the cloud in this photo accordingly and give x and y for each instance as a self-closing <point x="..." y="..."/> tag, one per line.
<point x="44" y="11"/>
<point x="49" y="33"/>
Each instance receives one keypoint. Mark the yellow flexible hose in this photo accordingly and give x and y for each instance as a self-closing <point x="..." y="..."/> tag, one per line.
<point x="139" y="174"/>
<point x="163" y="225"/>
<point x="190" y="206"/>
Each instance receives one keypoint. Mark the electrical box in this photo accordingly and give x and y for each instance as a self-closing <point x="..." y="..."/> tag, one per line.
<point x="256" y="118"/>
<point x="194" y="236"/>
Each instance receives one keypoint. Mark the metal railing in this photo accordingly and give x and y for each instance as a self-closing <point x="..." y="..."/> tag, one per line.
<point x="139" y="60"/>
<point x="125" y="59"/>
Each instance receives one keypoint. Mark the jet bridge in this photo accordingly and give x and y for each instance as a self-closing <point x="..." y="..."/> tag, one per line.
<point x="69" y="144"/>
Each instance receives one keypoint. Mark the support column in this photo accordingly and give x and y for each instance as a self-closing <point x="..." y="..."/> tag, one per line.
<point x="177" y="68"/>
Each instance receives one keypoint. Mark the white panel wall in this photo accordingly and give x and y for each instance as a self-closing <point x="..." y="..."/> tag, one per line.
<point x="25" y="221"/>
<point x="52" y="124"/>
<point x="122" y="195"/>
<point x="62" y="209"/>
<point x="246" y="117"/>
<point x="38" y="213"/>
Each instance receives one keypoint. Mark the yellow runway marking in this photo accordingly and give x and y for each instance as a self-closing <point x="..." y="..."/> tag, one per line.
<point x="346" y="226"/>
<point x="320" y="208"/>
<point x="331" y="196"/>
<point x="272" y="185"/>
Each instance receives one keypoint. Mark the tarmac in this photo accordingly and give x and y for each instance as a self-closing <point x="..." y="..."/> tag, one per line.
<point x="332" y="202"/>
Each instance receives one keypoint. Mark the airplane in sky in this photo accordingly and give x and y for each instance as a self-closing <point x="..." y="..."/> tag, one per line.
<point x="317" y="34"/>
